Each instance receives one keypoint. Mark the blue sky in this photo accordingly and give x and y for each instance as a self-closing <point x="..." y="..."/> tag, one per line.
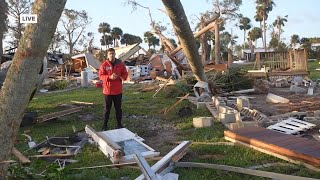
<point x="303" y="18"/>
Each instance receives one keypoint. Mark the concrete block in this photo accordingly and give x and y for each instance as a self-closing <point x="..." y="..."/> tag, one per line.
<point x="317" y="113"/>
<point x="200" y="122"/>
<point x="226" y="109"/>
<point x="201" y="105"/>
<point x="233" y="126"/>
<point x="313" y="120"/>
<point x="296" y="89"/>
<point x="310" y="91"/>
<point x="228" y="118"/>
<point x="276" y="99"/>
<point x="242" y="102"/>
<point x="249" y="123"/>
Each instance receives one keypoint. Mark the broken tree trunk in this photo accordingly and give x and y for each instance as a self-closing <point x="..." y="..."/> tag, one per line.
<point x="188" y="42"/>
<point x="23" y="75"/>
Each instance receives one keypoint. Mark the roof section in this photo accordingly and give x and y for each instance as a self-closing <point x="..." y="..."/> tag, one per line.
<point x="90" y="60"/>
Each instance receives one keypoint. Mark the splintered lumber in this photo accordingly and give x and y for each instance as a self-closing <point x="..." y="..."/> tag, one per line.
<point x="165" y="84"/>
<point x="271" y="175"/>
<point x="166" y="163"/>
<point x="23" y="159"/>
<point x="52" y="156"/>
<point x="287" y="145"/>
<point x="8" y="162"/>
<point x="145" y="168"/>
<point x="54" y="115"/>
<point x="82" y="103"/>
<point x="180" y="100"/>
<point x="108" y="165"/>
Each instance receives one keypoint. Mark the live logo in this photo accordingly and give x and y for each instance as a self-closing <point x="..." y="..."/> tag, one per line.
<point x="28" y="18"/>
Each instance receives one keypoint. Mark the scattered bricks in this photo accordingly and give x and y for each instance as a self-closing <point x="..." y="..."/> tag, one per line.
<point x="242" y="102"/>
<point x="228" y="118"/>
<point x="317" y="113"/>
<point x="313" y="120"/>
<point x="200" y="122"/>
<point x="201" y="105"/>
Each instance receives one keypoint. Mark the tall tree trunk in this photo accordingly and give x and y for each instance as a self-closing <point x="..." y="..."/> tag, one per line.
<point x="217" y="43"/>
<point x="252" y="51"/>
<point x="188" y="43"/>
<point x="204" y="47"/>
<point x="1" y="48"/>
<point x="23" y="75"/>
<point x="262" y="38"/>
<point x="264" y="34"/>
<point x="244" y="38"/>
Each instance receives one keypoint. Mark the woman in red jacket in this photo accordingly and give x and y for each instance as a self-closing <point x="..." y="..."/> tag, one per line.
<point x="112" y="72"/>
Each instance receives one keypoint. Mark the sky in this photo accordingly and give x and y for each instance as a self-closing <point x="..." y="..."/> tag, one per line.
<point x="303" y="18"/>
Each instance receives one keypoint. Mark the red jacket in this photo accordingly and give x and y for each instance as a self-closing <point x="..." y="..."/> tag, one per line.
<point x="112" y="86"/>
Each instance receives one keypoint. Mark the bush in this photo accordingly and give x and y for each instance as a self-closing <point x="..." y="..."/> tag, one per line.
<point x="58" y="85"/>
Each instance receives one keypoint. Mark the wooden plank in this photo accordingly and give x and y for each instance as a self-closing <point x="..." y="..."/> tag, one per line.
<point x="54" y="115"/>
<point x="259" y="173"/>
<point x="89" y="130"/>
<point x="52" y="156"/>
<point x="164" y="163"/>
<point x="175" y="104"/>
<point x="307" y="165"/>
<point x="165" y="84"/>
<point x="23" y="159"/>
<point x="148" y="173"/>
<point x="273" y="147"/>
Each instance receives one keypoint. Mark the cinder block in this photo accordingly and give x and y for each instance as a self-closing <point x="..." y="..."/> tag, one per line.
<point x="200" y="122"/>
<point x="242" y="102"/>
<point x="201" y="105"/>
<point x="233" y="126"/>
<point x="317" y="113"/>
<point x="313" y="120"/>
<point x="226" y="109"/>
<point x="227" y="118"/>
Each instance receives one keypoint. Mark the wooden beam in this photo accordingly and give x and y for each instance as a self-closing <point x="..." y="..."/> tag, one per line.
<point x="52" y="156"/>
<point x="54" y="115"/>
<point x="165" y="84"/>
<point x="108" y="165"/>
<point x="166" y="163"/>
<point x="180" y="100"/>
<point x="148" y="173"/>
<point x="271" y="175"/>
<point x="23" y="159"/>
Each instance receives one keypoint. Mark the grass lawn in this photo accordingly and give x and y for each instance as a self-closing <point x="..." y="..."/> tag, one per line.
<point x="142" y="115"/>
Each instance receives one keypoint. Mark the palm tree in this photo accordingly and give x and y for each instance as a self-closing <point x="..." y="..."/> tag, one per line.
<point x="294" y="40"/>
<point x="104" y="28"/>
<point x="148" y="38"/>
<point x="116" y="34"/>
<point x="262" y="10"/>
<point x="3" y="22"/>
<point x="279" y="22"/>
<point x="254" y="34"/>
<point x="154" y="42"/>
<point x="244" y="25"/>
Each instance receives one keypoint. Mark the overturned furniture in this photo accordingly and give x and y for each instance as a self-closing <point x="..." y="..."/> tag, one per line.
<point x="120" y="144"/>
